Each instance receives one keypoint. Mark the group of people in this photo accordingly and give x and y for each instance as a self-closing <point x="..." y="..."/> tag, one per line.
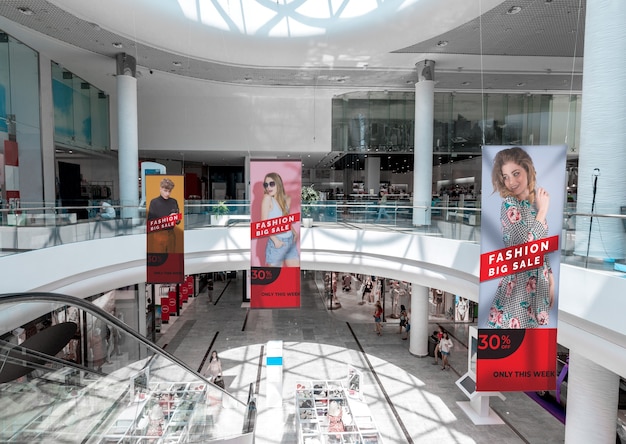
<point x="443" y="348"/>
<point x="405" y="321"/>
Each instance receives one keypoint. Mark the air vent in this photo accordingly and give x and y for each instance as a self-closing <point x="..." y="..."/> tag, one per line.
<point x="67" y="75"/>
<point x="84" y="85"/>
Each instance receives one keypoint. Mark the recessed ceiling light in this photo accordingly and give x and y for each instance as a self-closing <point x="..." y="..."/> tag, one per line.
<point x="117" y="45"/>
<point x="514" y="10"/>
<point x="177" y="64"/>
<point x="521" y="84"/>
<point x="465" y="83"/>
<point x="26" y="11"/>
<point x="442" y="43"/>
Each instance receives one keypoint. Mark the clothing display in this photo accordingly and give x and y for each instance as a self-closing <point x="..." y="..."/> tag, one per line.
<point x="522" y="300"/>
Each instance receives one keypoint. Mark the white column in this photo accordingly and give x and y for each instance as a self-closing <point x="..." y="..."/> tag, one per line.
<point x="372" y="174"/>
<point x="128" y="157"/>
<point x="603" y="118"/>
<point x="47" y="131"/>
<point x="423" y="157"/>
<point x="418" y="335"/>
<point x="592" y="394"/>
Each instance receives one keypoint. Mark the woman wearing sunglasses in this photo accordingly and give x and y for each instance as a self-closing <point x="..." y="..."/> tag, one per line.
<point x="281" y="248"/>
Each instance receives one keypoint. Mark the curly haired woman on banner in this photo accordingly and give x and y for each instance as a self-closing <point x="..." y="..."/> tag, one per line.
<point x="524" y="299"/>
<point x="281" y="248"/>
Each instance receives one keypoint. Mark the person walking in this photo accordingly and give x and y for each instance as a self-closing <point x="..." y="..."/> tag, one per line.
<point x="445" y="345"/>
<point x="403" y="316"/>
<point x="214" y="371"/>
<point x="407" y="326"/>
<point x="378" y="316"/>
<point x="437" y="347"/>
<point x="209" y="286"/>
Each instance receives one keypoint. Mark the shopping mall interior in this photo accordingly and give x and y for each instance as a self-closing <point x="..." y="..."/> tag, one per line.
<point x="396" y="98"/>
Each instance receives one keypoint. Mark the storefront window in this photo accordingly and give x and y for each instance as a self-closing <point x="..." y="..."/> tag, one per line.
<point x="81" y="112"/>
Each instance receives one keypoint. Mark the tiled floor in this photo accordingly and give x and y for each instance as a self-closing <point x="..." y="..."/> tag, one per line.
<point x="411" y="399"/>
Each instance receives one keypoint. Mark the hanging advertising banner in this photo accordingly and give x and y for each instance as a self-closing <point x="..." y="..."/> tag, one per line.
<point x="523" y="191"/>
<point x="275" y="233"/>
<point x="165" y="229"/>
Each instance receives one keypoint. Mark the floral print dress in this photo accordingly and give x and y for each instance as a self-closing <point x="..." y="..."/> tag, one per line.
<point x="522" y="300"/>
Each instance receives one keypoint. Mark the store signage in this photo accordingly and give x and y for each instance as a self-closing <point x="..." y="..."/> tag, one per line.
<point x="275" y="233"/>
<point x="172" y="300"/>
<point x="521" y="225"/>
<point x="165" y="310"/>
<point x="184" y="293"/>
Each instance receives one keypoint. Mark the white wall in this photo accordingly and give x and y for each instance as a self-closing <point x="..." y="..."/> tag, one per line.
<point x="192" y="115"/>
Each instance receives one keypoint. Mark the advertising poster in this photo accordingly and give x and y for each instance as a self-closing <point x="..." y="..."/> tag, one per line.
<point x="275" y="233"/>
<point x="165" y="310"/>
<point x="523" y="191"/>
<point x="165" y="229"/>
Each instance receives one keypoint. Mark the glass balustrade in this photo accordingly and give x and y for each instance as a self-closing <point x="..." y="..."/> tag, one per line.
<point x="38" y="226"/>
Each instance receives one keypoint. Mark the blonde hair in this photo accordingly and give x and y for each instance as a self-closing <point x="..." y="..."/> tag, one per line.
<point x="167" y="183"/>
<point x="519" y="157"/>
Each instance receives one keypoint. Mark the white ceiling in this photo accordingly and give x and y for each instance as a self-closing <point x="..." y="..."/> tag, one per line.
<point x="339" y="44"/>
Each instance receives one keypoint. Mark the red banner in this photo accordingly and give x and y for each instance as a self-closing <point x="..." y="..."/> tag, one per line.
<point x="165" y="229"/>
<point x="184" y="293"/>
<point x="190" y="286"/>
<point x="515" y="259"/>
<point x="164" y="223"/>
<point x="278" y="225"/>
<point x="514" y="360"/>
<point x="172" y="301"/>
<point x="165" y="310"/>
<point x="275" y="188"/>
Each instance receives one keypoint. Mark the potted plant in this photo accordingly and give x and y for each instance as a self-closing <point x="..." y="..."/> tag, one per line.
<point x="220" y="211"/>
<point x="308" y="196"/>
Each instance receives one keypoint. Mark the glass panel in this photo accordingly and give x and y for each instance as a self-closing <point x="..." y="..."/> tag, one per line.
<point x="62" y="97"/>
<point x="19" y="120"/>
<point x="81" y="112"/>
<point x="73" y="373"/>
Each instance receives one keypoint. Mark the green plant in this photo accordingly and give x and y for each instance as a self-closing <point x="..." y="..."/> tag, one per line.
<point x="220" y="208"/>
<point x="308" y="195"/>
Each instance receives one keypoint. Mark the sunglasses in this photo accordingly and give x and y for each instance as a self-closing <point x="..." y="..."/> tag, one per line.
<point x="269" y="184"/>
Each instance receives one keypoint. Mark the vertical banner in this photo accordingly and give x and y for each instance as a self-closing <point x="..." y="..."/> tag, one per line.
<point x="171" y="299"/>
<point x="184" y="293"/>
<point x="190" y="286"/>
<point x="523" y="191"/>
<point x="275" y="233"/>
<point x="165" y="228"/>
<point x="165" y="310"/>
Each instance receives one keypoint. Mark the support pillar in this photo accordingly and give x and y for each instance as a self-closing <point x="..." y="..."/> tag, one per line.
<point x="592" y="395"/>
<point x="423" y="153"/>
<point x="372" y="174"/>
<point x="603" y="119"/>
<point x="418" y="335"/>
<point x="128" y="156"/>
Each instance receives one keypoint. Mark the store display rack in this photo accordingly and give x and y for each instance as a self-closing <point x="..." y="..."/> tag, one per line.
<point x="164" y="412"/>
<point x="313" y="400"/>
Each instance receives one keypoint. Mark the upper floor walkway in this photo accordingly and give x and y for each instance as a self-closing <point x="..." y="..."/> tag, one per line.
<point x="97" y="255"/>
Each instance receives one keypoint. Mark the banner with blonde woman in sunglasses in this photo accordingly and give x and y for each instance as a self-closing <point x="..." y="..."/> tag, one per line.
<point x="275" y="233"/>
